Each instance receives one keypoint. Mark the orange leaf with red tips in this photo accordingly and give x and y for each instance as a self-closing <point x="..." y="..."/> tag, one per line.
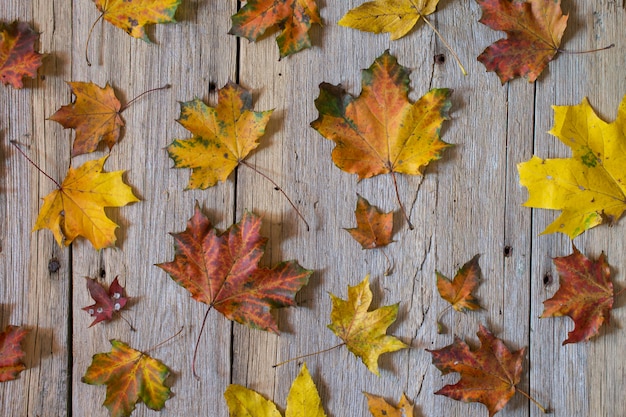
<point x="534" y="30"/>
<point x="107" y="302"/>
<point x="489" y="374"/>
<point x="131" y="376"/>
<point x="222" y="271"/>
<point x="94" y="115"/>
<point x="374" y="228"/>
<point x="585" y="294"/>
<point x="18" y="58"/>
<point x="458" y="292"/>
<point x="11" y="352"/>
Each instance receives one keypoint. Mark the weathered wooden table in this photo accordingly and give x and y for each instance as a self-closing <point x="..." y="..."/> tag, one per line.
<point x="469" y="202"/>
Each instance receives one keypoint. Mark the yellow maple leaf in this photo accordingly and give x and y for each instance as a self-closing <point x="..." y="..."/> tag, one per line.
<point x="363" y="331"/>
<point x="379" y="407"/>
<point x="77" y="207"/>
<point x="589" y="187"/>
<point x="303" y="400"/>
<point x="397" y="17"/>
<point x="133" y="15"/>
<point x="223" y="136"/>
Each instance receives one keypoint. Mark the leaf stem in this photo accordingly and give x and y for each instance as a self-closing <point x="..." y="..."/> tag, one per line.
<point x="195" y="351"/>
<point x="307" y="355"/>
<point x="389" y="270"/>
<point x="277" y="188"/>
<point x="132" y="328"/>
<point x="619" y="292"/>
<point x="564" y="51"/>
<point x="446" y="44"/>
<point x="441" y="313"/>
<point x="15" y="143"/>
<point x="89" y="38"/>
<point x="542" y="408"/>
<point x="127" y="105"/>
<point x="165" y="341"/>
<point x="395" y="184"/>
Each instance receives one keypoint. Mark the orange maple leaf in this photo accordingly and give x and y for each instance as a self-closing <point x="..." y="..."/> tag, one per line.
<point x="131" y="376"/>
<point x="585" y="294"/>
<point x="11" y="352"/>
<point x="458" y="292"/>
<point x="374" y="228"/>
<point x="489" y="374"/>
<point x="18" y="58"/>
<point x="534" y="30"/>
<point x="95" y="115"/>
<point x="221" y="270"/>
<point x="294" y="17"/>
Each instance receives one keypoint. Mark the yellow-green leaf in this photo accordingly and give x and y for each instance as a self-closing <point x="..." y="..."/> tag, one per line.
<point x="77" y="207"/>
<point x="589" y="187"/>
<point x="223" y="136"/>
<point x="379" y="407"/>
<point x="303" y="400"/>
<point x="363" y="331"/>
<point x="397" y="17"/>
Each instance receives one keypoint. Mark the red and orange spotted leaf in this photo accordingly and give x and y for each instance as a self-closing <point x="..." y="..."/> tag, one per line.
<point x="95" y="115"/>
<point x="293" y="17"/>
<point x="379" y="407"/>
<point x="106" y="302"/>
<point x="534" y="30"/>
<point x="585" y="294"/>
<point x="222" y="271"/>
<point x="11" y="352"/>
<point x="458" y="292"/>
<point x="374" y="228"/>
<point x="133" y="15"/>
<point x="489" y="374"/>
<point x="130" y="376"/>
<point x="18" y="58"/>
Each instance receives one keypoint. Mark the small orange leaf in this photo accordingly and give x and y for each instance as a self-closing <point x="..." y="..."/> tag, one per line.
<point x="458" y="292"/>
<point x="381" y="408"/>
<point x="18" y="58"/>
<point x="374" y="228"/>
<point x="11" y="352"/>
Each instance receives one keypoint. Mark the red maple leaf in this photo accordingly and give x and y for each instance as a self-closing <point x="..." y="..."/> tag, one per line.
<point x="18" y="58"/>
<point x="585" y="294"/>
<point x="11" y="352"/>
<point x="107" y="302"/>
<point x="221" y="270"/>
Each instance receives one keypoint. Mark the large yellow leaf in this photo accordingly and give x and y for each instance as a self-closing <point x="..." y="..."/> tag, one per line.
<point x="363" y="331"/>
<point x="77" y="207"/>
<point x="303" y="400"/>
<point x="223" y="136"/>
<point x="397" y="17"/>
<point x="589" y="187"/>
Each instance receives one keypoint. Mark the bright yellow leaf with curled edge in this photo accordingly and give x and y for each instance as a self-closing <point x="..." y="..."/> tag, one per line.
<point x="363" y="331"/>
<point x="303" y="400"/>
<point x="223" y="136"/>
<point x="589" y="187"/>
<point x="77" y="207"/>
<point x="379" y="407"/>
<point x="397" y="17"/>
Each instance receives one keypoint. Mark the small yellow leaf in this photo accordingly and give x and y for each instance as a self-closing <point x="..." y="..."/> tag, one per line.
<point x="381" y="408"/>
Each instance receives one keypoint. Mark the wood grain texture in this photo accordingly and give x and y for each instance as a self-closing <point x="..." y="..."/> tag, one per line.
<point x="467" y="203"/>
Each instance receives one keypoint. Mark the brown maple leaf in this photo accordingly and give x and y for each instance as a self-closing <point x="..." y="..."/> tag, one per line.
<point x="18" y="58"/>
<point x="534" y="30"/>
<point x="11" y="352"/>
<point x="458" y="292"/>
<point x="106" y="302"/>
<point x="374" y="228"/>
<point x="489" y="374"/>
<point x="585" y="294"/>
<point x="222" y="271"/>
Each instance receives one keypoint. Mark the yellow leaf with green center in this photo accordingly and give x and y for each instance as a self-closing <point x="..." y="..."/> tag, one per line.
<point x="397" y="17"/>
<point x="77" y="207"/>
<point x="363" y="331"/>
<point x="131" y="376"/>
<point x="133" y="15"/>
<point x="589" y="187"/>
<point x="303" y="400"/>
<point x="223" y="136"/>
<point x="381" y="408"/>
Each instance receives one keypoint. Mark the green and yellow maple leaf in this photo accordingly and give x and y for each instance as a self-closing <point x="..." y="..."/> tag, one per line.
<point x="131" y="376"/>
<point x="363" y="331"/>
<point x="589" y="187"/>
<point x="223" y="136"/>
<point x="76" y="208"/>
<point x="303" y="400"/>
<point x="397" y="17"/>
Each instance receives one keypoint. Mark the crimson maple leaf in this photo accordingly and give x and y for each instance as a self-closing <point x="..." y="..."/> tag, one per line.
<point x="107" y="302"/>
<point x="221" y="270"/>
<point x="18" y="57"/>
<point x="585" y="294"/>
<point x="11" y="352"/>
